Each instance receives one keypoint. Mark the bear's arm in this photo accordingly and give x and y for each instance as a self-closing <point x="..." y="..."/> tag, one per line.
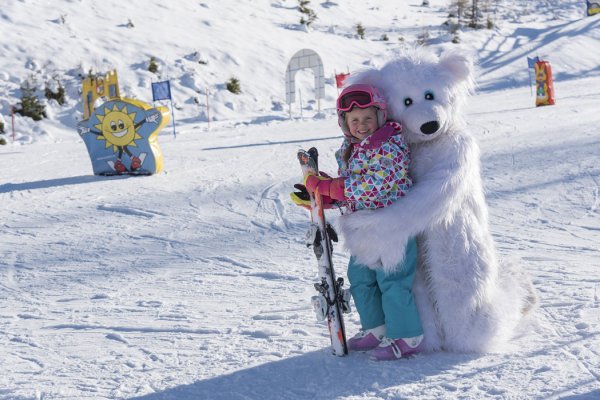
<point x="436" y="196"/>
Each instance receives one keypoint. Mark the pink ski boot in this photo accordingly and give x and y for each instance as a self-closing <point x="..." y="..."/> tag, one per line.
<point x="367" y="340"/>
<point x="393" y="349"/>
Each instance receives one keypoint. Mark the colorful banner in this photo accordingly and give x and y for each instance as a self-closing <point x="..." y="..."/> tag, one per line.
<point x="544" y="84"/>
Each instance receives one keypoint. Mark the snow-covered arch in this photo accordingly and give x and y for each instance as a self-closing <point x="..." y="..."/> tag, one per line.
<point x="303" y="59"/>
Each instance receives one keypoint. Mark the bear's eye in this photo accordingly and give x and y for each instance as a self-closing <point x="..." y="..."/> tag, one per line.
<point x="429" y="95"/>
<point x="408" y="101"/>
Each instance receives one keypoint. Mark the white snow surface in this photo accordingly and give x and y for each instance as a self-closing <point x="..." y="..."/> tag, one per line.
<point x="195" y="283"/>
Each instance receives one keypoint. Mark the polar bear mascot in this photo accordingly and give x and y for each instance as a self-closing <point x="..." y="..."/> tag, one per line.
<point x="468" y="301"/>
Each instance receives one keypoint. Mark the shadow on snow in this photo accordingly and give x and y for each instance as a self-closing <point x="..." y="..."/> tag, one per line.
<point x="49" y="183"/>
<point x="272" y="143"/>
<point x="315" y="375"/>
<point x="531" y="157"/>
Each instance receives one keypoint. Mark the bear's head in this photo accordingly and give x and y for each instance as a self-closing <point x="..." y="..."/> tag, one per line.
<point x="424" y="92"/>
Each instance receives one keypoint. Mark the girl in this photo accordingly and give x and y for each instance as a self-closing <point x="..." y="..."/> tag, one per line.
<point x="373" y="167"/>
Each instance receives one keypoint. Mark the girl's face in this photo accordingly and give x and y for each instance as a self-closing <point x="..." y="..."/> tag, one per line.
<point x="362" y="122"/>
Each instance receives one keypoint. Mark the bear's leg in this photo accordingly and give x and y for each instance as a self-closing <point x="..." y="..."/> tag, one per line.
<point x="429" y="319"/>
<point x="462" y="285"/>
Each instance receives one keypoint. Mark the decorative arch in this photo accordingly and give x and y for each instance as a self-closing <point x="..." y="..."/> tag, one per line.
<point x="303" y="59"/>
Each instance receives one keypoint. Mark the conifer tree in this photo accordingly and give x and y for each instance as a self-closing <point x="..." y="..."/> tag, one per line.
<point x="360" y="30"/>
<point x="308" y="14"/>
<point x="30" y="106"/>
<point x="58" y="95"/>
<point x="233" y="85"/>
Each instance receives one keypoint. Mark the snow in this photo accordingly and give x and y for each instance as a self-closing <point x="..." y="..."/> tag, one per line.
<point x="195" y="283"/>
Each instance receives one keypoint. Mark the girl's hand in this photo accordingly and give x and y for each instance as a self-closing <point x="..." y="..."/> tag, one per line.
<point x="301" y="198"/>
<point x="325" y="186"/>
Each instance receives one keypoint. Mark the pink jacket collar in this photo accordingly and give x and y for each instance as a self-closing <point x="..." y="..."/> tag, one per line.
<point x="381" y="135"/>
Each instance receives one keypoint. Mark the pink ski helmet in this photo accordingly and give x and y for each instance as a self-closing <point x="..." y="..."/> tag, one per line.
<point x="362" y="96"/>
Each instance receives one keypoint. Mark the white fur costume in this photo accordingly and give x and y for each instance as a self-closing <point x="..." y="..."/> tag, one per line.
<point x="467" y="300"/>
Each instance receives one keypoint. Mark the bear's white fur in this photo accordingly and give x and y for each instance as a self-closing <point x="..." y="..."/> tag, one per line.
<point x="467" y="300"/>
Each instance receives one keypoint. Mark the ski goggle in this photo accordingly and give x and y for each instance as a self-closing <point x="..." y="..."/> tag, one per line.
<point x="359" y="98"/>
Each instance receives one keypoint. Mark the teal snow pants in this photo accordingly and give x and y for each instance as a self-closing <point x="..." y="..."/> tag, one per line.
<point x="382" y="298"/>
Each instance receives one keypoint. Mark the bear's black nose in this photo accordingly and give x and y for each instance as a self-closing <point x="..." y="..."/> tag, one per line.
<point x="430" y="127"/>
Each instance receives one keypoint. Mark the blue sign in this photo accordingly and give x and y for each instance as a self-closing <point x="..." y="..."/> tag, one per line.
<point x="531" y="61"/>
<point x="161" y="91"/>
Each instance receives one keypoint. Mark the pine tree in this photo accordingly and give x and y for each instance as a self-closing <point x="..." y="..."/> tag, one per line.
<point x="233" y="85"/>
<point x="460" y="6"/>
<point x="474" y="14"/>
<point x="307" y="12"/>
<point x="153" y="66"/>
<point x="59" y="95"/>
<point x="360" y="30"/>
<point x="30" y="106"/>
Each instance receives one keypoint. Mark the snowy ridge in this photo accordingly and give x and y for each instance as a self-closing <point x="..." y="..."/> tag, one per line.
<point x="198" y="50"/>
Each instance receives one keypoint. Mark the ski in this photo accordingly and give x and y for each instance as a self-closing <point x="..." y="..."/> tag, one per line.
<point x="332" y="300"/>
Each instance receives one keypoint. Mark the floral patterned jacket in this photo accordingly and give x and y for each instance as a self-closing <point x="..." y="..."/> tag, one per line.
<point x="377" y="172"/>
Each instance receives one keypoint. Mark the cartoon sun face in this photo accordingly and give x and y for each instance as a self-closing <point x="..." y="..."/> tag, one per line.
<point x="117" y="127"/>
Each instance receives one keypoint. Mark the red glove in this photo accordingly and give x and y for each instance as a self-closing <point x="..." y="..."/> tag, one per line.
<point x="300" y="198"/>
<point x="325" y="186"/>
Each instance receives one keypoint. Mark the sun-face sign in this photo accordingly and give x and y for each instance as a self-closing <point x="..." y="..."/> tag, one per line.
<point x="117" y="127"/>
<point x="120" y="136"/>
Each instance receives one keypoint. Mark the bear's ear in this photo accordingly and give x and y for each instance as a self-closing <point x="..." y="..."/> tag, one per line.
<point x="459" y="65"/>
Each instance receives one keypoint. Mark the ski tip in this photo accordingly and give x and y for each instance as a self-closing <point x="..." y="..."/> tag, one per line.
<point x="303" y="157"/>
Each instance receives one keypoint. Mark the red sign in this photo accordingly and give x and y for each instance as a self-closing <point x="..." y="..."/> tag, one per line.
<point x="340" y="78"/>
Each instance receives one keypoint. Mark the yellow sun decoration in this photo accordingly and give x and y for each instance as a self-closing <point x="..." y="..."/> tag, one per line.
<point x="117" y="127"/>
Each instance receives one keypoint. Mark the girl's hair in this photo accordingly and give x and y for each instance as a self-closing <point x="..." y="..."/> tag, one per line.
<point x="347" y="152"/>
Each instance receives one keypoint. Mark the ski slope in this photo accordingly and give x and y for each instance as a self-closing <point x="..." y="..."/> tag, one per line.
<point x="195" y="283"/>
